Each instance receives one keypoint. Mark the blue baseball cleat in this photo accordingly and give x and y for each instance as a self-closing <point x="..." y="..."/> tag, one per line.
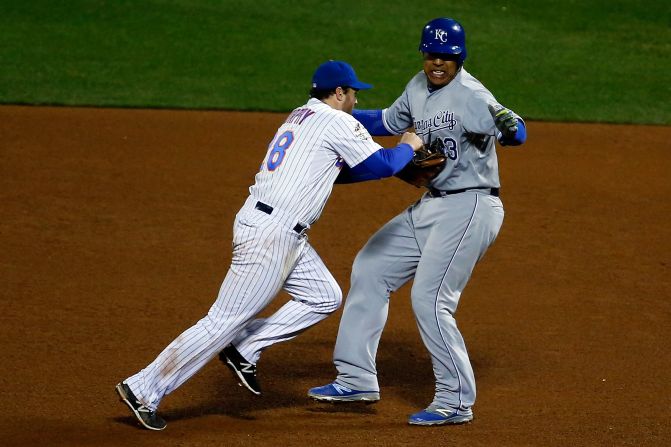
<point x="339" y="393"/>
<point x="440" y="416"/>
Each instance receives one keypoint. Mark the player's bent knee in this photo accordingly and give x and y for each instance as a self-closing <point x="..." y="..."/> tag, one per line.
<point x="420" y="305"/>
<point x="334" y="298"/>
<point x="364" y="271"/>
<point x="424" y="304"/>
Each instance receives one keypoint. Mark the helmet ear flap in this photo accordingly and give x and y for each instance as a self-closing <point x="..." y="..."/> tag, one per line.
<point x="444" y="36"/>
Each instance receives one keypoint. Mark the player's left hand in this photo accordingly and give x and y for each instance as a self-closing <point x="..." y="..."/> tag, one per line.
<point x="504" y="120"/>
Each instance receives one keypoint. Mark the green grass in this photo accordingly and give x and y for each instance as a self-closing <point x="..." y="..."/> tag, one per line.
<point x="598" y="60"/>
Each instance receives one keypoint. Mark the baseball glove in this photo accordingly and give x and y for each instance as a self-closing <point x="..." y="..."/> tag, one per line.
<point x="424" y="166"/>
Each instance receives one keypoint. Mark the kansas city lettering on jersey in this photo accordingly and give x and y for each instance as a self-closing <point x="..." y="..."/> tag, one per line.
<point x="443" y="119"/>
<point x="299" y="115"/>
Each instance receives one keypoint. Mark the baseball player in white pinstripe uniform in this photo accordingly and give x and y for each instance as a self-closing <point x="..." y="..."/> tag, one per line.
<point x="318" y="144"/>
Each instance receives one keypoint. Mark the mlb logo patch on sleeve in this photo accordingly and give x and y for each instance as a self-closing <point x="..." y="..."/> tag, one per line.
<point x="360" y="132"/>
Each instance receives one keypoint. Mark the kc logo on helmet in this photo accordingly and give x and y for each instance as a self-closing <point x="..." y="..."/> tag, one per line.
<point x="441" y="35"/>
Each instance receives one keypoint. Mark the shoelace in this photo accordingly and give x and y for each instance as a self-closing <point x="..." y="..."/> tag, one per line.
<point x="144" y="409"/>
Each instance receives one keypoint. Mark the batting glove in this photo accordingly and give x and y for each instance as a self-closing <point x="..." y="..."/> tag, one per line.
<point x="504" y="120"/>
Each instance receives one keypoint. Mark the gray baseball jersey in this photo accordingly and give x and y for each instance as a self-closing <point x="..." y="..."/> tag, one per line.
<point x="458" y="116"/>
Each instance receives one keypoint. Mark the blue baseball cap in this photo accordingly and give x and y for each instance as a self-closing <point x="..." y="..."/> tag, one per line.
<point x="334" y="74"/>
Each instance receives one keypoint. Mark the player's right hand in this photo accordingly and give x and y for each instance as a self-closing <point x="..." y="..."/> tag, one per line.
<point x="413" y="140"/>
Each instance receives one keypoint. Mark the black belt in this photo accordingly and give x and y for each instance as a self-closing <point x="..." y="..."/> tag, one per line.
<point x="299" y="228"/>
<point x="433" y="192"/>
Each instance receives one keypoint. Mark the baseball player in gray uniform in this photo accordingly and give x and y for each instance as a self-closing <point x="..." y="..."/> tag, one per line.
<point x="318" y="143"/>
<point x="439" y="239"/>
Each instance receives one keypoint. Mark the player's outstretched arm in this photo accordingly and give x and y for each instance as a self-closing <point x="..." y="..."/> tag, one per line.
<point x="384" y="162"/>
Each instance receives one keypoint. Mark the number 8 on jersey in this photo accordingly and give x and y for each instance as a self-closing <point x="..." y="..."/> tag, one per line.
<point x="279" y="149"/>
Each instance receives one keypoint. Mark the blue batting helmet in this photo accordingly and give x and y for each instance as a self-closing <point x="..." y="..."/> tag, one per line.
<point x="445" y="36"/>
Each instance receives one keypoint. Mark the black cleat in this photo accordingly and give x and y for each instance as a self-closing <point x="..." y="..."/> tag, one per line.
<point x="245" y="371"/>
<point x="148" y="418"/>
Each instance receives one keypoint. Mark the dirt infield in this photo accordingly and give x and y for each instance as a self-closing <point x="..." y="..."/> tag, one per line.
<point x="115" y="236"/>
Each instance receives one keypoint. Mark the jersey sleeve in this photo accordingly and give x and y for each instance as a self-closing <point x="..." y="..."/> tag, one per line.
<point x="478" y="118"/>
<point x="397" y="118"/>
<point x="350" y="139"/>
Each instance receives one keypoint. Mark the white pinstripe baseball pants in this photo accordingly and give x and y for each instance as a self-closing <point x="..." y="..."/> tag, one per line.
<point x="267" y="256"/>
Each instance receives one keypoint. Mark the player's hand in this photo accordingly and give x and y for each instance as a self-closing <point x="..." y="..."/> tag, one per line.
<point x="413" y="140"/>
<point x="504" y="120"/>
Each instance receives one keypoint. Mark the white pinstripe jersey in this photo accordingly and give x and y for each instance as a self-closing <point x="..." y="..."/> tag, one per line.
<point x="305" y="157"/>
